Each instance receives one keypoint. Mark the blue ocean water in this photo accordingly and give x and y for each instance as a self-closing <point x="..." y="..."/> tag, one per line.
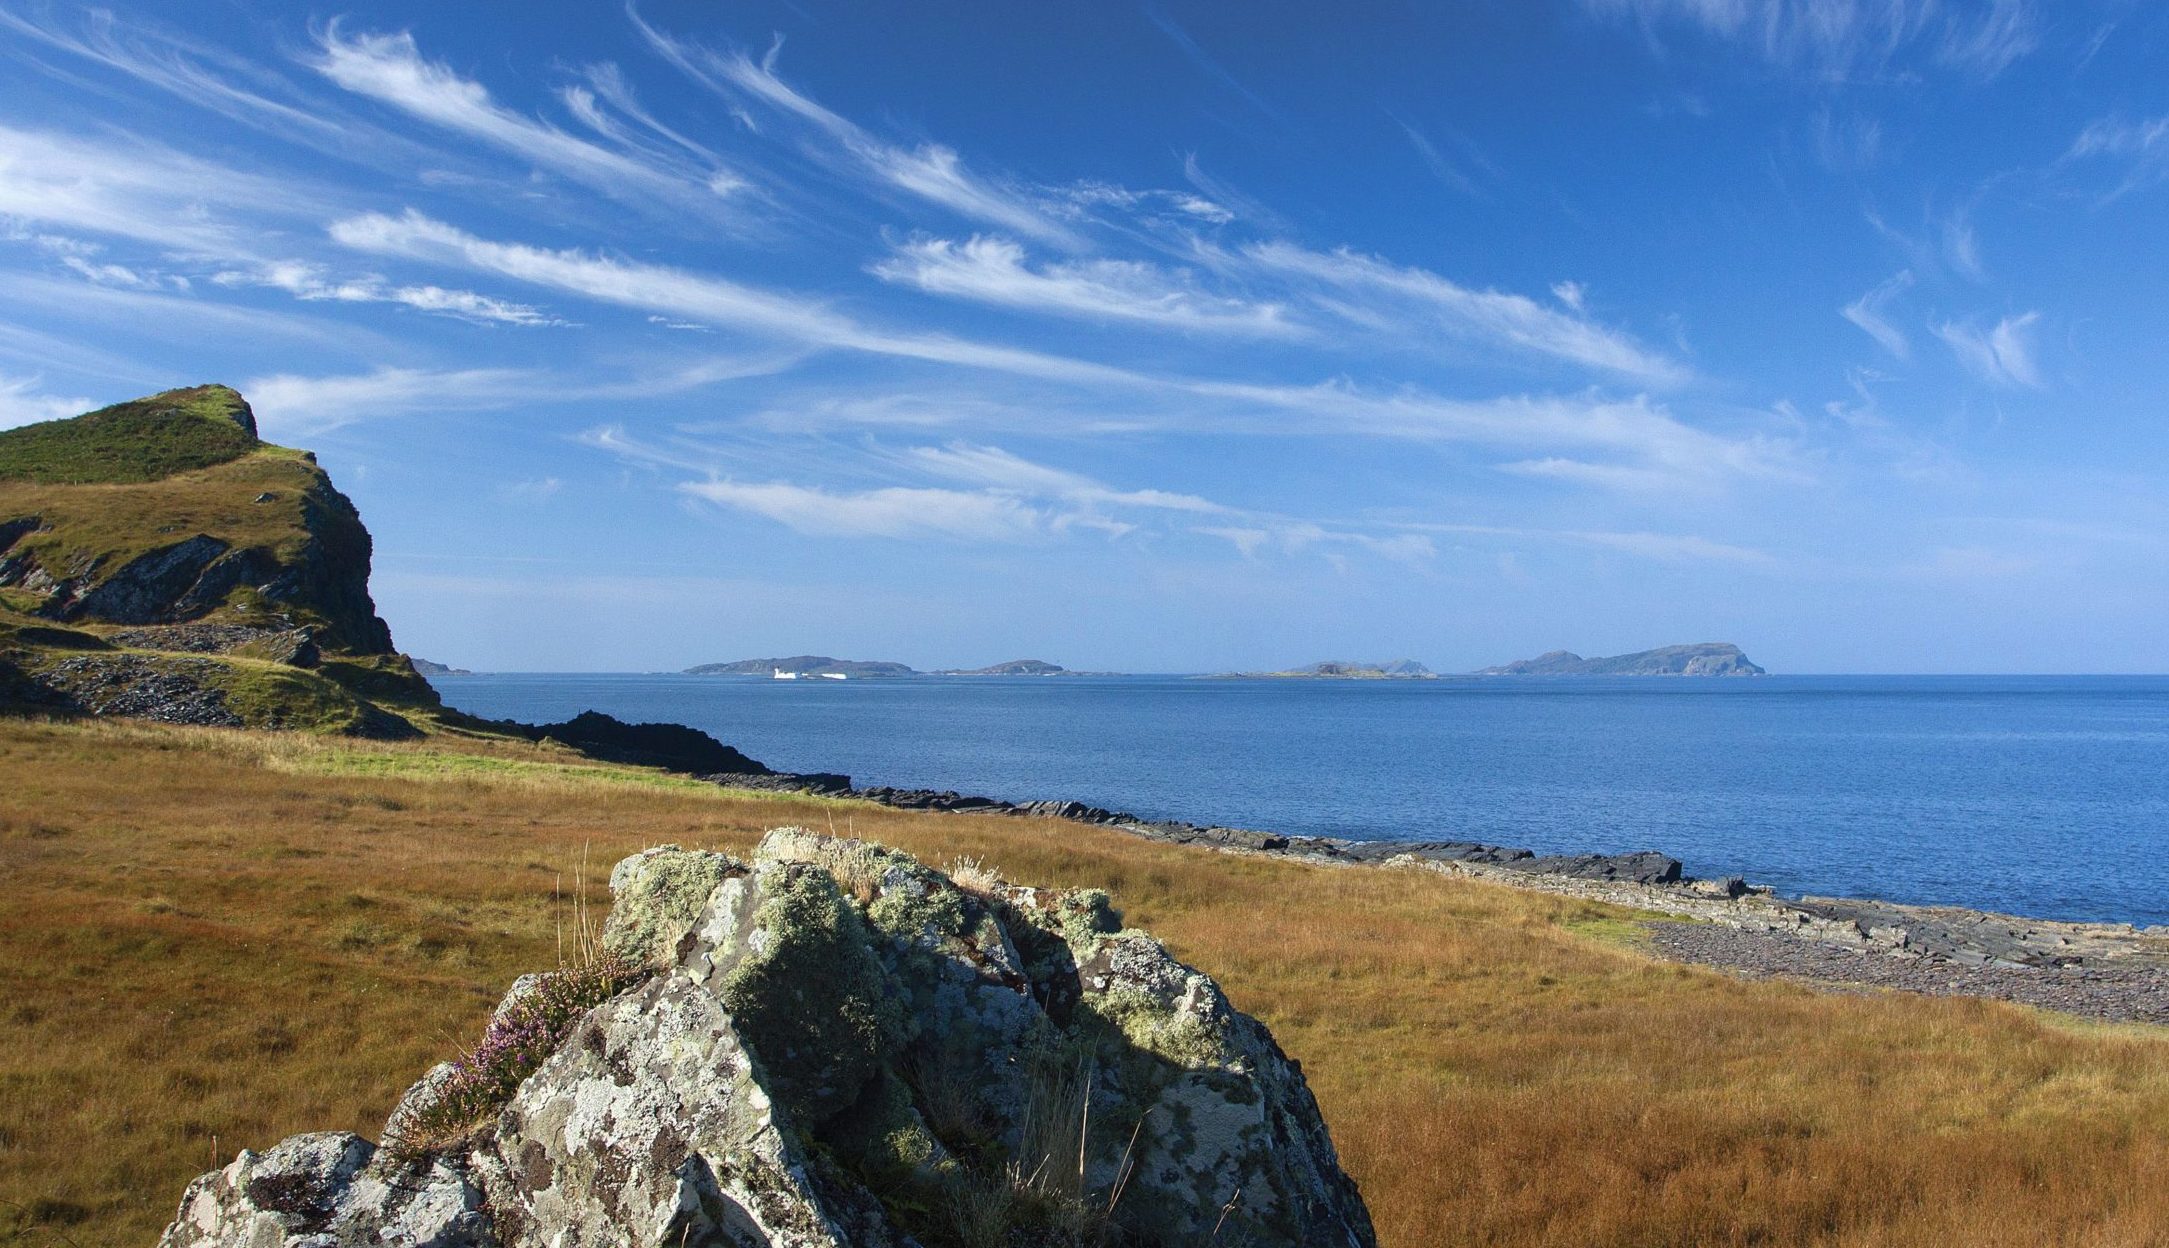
<point x="2045" y="796"/>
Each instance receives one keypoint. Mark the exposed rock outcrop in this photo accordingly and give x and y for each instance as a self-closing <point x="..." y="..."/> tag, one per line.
<point x="832" y="1045"/>
<point x="672" y="747"/>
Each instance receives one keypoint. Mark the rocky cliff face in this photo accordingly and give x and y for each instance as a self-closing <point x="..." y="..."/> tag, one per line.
<point x="260" y="537"/>
<point x="165" y="527"/>
<point x="829" y="1045"/>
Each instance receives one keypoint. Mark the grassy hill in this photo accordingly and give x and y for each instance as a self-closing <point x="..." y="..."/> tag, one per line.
<point x="141" y="440"/>
<point x="157" y="558"/>
<point x="263" y="933"/>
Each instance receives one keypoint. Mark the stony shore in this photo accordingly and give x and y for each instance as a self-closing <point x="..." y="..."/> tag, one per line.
<point x="2107" y="971"/>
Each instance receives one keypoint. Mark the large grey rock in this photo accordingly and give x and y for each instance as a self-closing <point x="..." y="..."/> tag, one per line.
<point x="837" y="1047"/>
<point x="331" y="1189"/>
<point x="649" y="1127"/>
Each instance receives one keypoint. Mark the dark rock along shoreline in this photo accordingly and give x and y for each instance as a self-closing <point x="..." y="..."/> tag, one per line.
<point x="2109" y="972"/>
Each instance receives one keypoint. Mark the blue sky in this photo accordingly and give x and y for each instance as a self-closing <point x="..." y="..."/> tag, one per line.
<point x="1174" y="337"/>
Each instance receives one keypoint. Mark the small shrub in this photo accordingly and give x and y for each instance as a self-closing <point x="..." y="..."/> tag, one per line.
<point x="520" y="1037"/>
<point x="974" y="876"/>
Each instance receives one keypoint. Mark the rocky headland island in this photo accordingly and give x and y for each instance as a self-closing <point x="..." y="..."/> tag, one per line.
<point x="1708" y="658"/>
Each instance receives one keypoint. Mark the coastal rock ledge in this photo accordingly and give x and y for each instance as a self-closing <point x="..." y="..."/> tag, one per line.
<point x="829" y="1045"/>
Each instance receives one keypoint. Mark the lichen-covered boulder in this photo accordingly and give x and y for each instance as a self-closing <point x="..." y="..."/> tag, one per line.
<point x="648" y="1126"/>
<point x="329" y="1190"/>
<point x="656" y="895"/>
<point x="831" y="1045"/>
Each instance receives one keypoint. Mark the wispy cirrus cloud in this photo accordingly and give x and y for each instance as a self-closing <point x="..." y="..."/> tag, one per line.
<point x="1673" y="548"/>
<point x="143" y="191"/>
<point x="995" y="467"/>
<point x="996" y="271"/>
<point x="1638" y="443"/>
<point x="1015" y="499"/>
<point x="1295" y="537"/>
<point x="392" y="70"/>
<point x="695" y="297"/>
<point x="2140" y="150"/>
<point x="1870" y="313"/>
<point x="1837" y="40"/>
<point x="24" y="401"/>
<point x="2001" y="355"/>
<point x="308" y="283"/>
<point x="1635" y="444"/>
<point x="199" y="73"/>
<point x="891" y="512"/>
<point x="930" y="171"/>
<point x="1397" y="291"/>
<point x="1340" y="287"/>
<point x="607" y="105"/>
<point x="1205" y="61"/>
<point x="313" y="403"/>
<point x="991" y="497"/>
<point x="290" y="404"/>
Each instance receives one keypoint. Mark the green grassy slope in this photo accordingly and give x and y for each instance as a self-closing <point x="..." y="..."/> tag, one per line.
<point x="141" y="440"/>
<point x="159" y="543"/>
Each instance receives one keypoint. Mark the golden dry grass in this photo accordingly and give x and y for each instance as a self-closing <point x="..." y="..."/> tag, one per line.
<point x="210" y="940"/>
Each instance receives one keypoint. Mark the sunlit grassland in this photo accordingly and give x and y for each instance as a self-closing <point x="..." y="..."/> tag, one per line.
<point x="209" y="940"/>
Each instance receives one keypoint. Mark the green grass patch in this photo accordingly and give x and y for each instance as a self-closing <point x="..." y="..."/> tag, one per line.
<point x="431" y="764"/>
<point x="1612" y="926"/>
<point x="272" y="695"/>
<point x="130" y="443"/>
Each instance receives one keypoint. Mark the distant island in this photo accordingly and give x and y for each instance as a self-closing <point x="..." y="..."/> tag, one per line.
<point x="821" y="665"/>
<point x="1709" y="658"/>
<point x="1014" y="667"/>
<point x="1344" y="669"/>
<point x="805" y="665"/>
<point x="426" y="668"/>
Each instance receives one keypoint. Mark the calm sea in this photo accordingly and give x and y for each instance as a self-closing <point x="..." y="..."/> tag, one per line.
<point x="2044" y="796"/>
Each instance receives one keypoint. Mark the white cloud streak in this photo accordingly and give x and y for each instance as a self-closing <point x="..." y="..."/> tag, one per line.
<point x="997" y="468"/>
<point x="1837" y="40"/>
<point x="391" y="70"/>
<point x="288" y="404"/>
<point x="1014" y="501"/>
<point x="1658" y="444"/>
<point x="1486" y="315"/>
<point x="2002" y="355"/>
<point x="1871" y="313"/>
<point x="1673" y="548"/>
<point x="1644" y="445"/>
<point x="307" y="282"/>
<point x="2141" y="147"/>
<point x="930" y="171"/>
<point x="995" y="270"/>
<point x="695" y="297"/>
<point x="23" y="401"/>
<point x="892" y="512"/>
<point x="139" y="191"/>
